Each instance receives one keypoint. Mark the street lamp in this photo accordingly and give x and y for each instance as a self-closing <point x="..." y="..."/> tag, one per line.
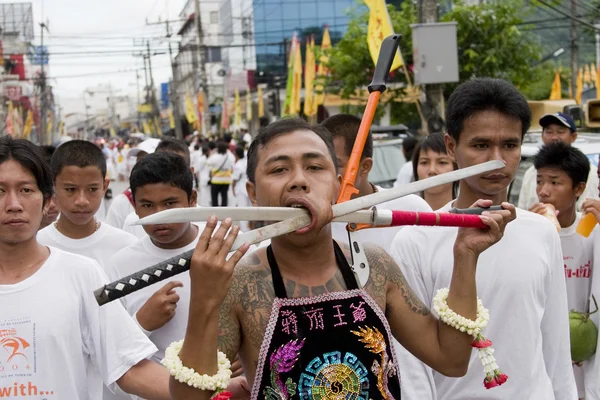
<point x="555" y="54"/>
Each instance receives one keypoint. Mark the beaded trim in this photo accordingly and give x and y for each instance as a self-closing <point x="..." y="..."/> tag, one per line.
<point x="302" y="301"/>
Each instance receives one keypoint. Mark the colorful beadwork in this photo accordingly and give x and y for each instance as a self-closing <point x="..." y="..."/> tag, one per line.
<point x="282" y="361"/>
<point x="332" y="377"/>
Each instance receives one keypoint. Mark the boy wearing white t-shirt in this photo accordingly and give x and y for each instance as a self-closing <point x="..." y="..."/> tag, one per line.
<point x="344" y="129"/>
<point x="159" y="181"/>
<point x="79" y="171"/>
<point x="520" y="279"/>
<point x="59" y="343"/>
<point x="562" y="172"/>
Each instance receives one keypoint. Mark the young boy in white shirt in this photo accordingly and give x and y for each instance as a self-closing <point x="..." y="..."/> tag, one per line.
<point x="344" y="129"/>
<point x="562" y="172"/>
<point x="159" y="181"/>
<point x="60" y="344"/>
<point x="520" y="279"/>
<point x="80" y="182"/>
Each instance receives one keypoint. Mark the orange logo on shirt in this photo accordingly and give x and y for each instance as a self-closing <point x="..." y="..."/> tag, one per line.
<point x="12" y="343"/>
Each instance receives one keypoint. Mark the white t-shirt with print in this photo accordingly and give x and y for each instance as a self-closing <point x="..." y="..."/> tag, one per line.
<point x="578" y="262"/>
<point x="143" y="254"/>
<point x="100" y="245"/>
<point x="382" y="237"/>
<point x="55" y="334"/>
<point x="521" y="281"/>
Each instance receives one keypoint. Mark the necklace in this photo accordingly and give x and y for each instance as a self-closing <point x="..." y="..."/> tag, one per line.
<point x="95" y="230"/>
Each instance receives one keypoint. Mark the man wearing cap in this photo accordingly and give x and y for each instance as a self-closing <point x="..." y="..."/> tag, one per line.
<point x="558" y="127"/>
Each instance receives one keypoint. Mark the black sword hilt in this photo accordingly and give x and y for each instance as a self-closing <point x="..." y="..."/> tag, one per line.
<point x="144" y="278"/>
<point x="387" y="52"/>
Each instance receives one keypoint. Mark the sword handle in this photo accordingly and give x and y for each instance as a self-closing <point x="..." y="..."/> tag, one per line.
<point x="144" y="278"/>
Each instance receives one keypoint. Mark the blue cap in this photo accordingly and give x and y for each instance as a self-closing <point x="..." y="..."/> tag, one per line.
<point x="560" y="119"/>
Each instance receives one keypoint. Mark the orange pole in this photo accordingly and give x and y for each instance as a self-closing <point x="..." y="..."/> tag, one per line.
<point x="348" y="188"/>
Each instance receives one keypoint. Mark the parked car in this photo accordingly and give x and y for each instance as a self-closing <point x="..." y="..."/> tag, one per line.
<point x="388" y="157"/>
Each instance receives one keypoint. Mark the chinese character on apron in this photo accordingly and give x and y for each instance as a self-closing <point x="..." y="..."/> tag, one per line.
<point x="332" y="346"/>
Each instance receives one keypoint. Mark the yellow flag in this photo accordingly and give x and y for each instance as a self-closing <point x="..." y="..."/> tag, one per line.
<point x="323" y="71"/>
<point x="556" y="93"/>
<point x="310" y="108"/>
<point x="380" y="27"/>
<point x="587" y="77"/>
<point x="598" y="82"/>
<point x="61" y="128"/>
<point x="190" y="114"/>
<point x="49" y="124"/>
<point x="297" y="81"/>
<point x="157" y="125"/>
<point x="28" y="124"/>
<point x="171" y="119"/>
<point x="248" y="106"/>
<point x="593" y="74"/>
<point x="237" y="109"/>
<point x="579" y="86"/>
<point x="261" y="103"/>
<point x="147" y="127"/>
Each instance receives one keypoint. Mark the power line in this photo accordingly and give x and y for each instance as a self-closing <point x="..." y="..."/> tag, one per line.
<point x="579" y="20"/>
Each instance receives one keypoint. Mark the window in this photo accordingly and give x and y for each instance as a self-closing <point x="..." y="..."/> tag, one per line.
<point x="214" y="17"/>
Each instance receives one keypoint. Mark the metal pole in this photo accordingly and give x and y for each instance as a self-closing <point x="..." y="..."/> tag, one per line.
<point x="202" y="51"/>
<point x="574" y="48"/>
<point x="43" y="135"/>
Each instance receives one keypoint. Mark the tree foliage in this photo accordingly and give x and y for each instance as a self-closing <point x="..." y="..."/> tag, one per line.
<point x="490" y="44"/>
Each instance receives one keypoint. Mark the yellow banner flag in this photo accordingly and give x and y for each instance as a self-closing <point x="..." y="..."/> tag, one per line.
<point x="248" y="106"/>
<point x="190" y="113"/>
<point x="380" y="27"/>
<point x="171" y="119"/>
<point x="61" y="128"/>
<point x="261" y="103"/>
<point x="237" y="109"/>
<point x="323" y="71"/>
<point x="49" y="124"/>
<point x="310" y="108"/>
<point x="157" y="126"/>
<point x="145" y="108"/>
<point x="579" y="86"/>
<point x="147" y="127"/>
<point x="598" y="82"/>
<point x="556" y="93"/>
<point x="587" y="76"/>
<point x="28" y="124"/>
<point x="297" y="81"/>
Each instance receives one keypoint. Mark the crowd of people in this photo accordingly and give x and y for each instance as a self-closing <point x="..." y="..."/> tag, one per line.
<point x="287" y="318"/>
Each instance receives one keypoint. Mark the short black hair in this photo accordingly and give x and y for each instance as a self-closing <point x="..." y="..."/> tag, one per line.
<point x="30" y="157"/>
<point x="165" y="167"/>
<point x="346" y="126"/>
<point x="566" y="158"/>
<point x="408" y="145"/>
<point x="222" y="147"/>
<point x="212" y="145"/>
<point x="434" y="142"/>
<point x="78" y="153"/>
<point x="485" y="94"/>
<point x="174" y="146"/>
<point x="48" y="151"/>
<point x="239" y="152"/>
<point x="282" y="127"/>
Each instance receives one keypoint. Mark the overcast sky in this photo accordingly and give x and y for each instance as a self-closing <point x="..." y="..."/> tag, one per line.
<point x="116" y="28"/>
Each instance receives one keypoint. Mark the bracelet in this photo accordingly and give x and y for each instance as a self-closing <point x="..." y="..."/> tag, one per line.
<point x="183" y="374"/>
<point x="493" y="376"/>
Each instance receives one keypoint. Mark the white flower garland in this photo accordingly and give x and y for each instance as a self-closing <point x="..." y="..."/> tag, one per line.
<point x="183" y="374"/>
<point x="493" y="376"/>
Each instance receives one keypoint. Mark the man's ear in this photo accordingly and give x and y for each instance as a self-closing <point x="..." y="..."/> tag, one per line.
<point x="194" y="198"/>
<point x="251" y="189"/>
<point x="450" y="146"/>
<point x="365" y="167"/>
<point x="105" y="185"/>
<point x="579" y="189"/>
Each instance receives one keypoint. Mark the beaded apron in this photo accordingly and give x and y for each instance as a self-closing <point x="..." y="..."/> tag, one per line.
<point x="328" y="347"/>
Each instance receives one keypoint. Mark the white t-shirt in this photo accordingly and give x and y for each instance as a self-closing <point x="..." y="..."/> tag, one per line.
<point x="59" y="343"/>
<point x="221" y="162"/>
<point x="382" y="237"/>
<point x="135" y="230"/>
<point x="521" y="281"/>
<point x="143" y="254"/>
<point x="202" y="170"/>
<point x="528" y="195"/>
<point x="592" y="366"/>
<point x="239" y="175"/>
<point x="100" y="245"/>
<point x="578" y="261"/>
<point x="405" y="175"/>
<point x="119" y="209"/>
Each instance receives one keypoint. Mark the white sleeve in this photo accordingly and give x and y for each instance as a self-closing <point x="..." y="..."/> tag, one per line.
<point x="591" y="188"/>
<point x="592" y="366"/>
<point x="237" y="172"/>
<point x="114" y="216"/>
<point x="417" y="378"/>
<point x="556" y="345"/>
<point x="405" y="175"/>
<point x="114" y="341"/>
<point x="528" y="195"/>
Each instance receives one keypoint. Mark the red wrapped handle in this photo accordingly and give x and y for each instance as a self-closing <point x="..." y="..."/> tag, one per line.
<point x="400" y="218"/>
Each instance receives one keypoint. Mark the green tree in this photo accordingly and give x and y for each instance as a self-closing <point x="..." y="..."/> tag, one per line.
<point x="490" y="44"/>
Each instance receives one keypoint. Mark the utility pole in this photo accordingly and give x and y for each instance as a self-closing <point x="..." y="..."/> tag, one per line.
<point x="574" y="48"/>
<point x="137" y="82"/>
<point x="155" y="107"/>
<point x="43" y="136"/>
<point x="202" y="54"/>
<point x="433" y="106"/>
<point x="175" y="82"/>
<point x="597" y="25"/>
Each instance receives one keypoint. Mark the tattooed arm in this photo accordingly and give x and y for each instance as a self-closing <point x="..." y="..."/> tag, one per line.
<point x="438" y="345"/>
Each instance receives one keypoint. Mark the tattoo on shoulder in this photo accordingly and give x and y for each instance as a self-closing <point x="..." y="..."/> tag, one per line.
<point x="385" y="270"/>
